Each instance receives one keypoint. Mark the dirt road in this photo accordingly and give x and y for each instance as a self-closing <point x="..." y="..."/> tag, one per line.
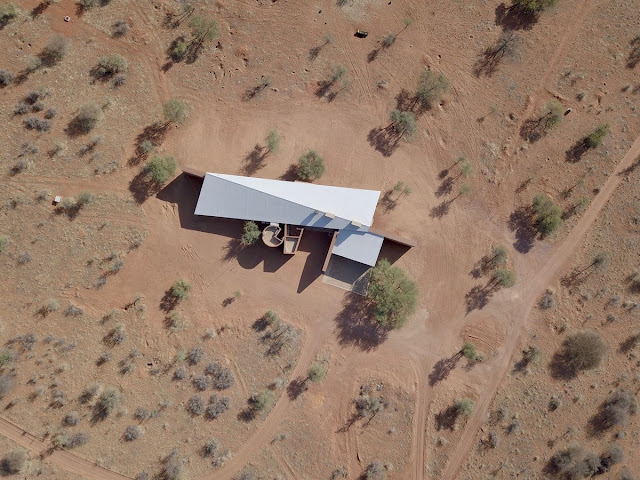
<point x="529" y="294"/>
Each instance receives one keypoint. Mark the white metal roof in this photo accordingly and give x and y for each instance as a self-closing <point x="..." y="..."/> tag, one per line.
<point x="363" y="247"/>
<point x="294" y="203"/>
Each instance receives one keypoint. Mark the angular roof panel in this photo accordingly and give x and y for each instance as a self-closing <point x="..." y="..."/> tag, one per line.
<point x="363" y="247"/>
<point x="295" y="203"/>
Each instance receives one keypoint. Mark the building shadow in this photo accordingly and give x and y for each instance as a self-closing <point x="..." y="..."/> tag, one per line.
<point x="392" y="251"/>
<point x="184" y="191"/>
<point x="316" y="243"/>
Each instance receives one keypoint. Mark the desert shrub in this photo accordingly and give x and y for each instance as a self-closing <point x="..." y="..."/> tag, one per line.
<point x="504" y="278"/>
<point x="109" y="65"/>
<point x="403" y="123"/>
<point x="562" y="461"/>
<point x="534" y="6"/>
<point x="146" y="146"/>
<point x="179" y="50"/>
<point x="273" y="141"/>
<point x="626" y="475"/>
<point x="6" y="356"/>
<point x="174" y="111"/>
<point x="120" y="28"/>
<point x="611" y="456"/>
<point x="72" y="419"/>
<point x="202" y="382"/>
<point x="548" y="214"/>
<point x="271" y="317"/>
<point x="141" y="414"/>
<point x="376" y="471"/>
<point x="211" y="447"/>
<point x="171" y="466"/>
<point x="464" y="406"/>
<point x="37" y="106"/>
<point x="89" y="393"/>
<point x="13" y="462"/>
<point x="317" y="372"/>
<point x="310" y="166"/>
<point x="7" y="13"/>
<point x="195" y="355"/>
<point x="27" y="341"/>
<point x="6" y="77"/>
<point x="4" y="243"/>
<point x="259" y="401"/>
<point x="595" y="138"/>
<point x="222" y="376"/>
<point x="615" y="410"/>
<point x="340" y="472"/>
<point x="119" y="81"/>
<point x="21" y="108"/>
<point x="393" y="294"/>
<point x="468" y="351"/>
<point x="196" y="405"/>
<point x="24" y="258"/>
<point x="50" y="113"/>
<point x="203" y="29"/>
<point x="431" y="87"/>
<point x="54" y="51"/>
<point x="250" y="233"/>
<point x="38" y="124"/>
<point x="369" y="406"/>
<point x="76" y="440"/>
<point x="160" y="168"/>
<point x="86" y="119"/>
<point x="180" y="289"/>
<point x="583" y="351"/>
<point x="143" y="476"/>
<point x="180" y="373"/>
<point x="89" y="4"/>
<point x="217" y="406"/>
<point x="131" y="433"/>
<point x="548" y="300"/>
<point x="106" y="404"/>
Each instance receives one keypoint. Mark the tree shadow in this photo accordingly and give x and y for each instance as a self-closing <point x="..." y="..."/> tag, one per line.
<point x="154" y="133"/>
<point x="387" y="202"/>
<point x="481" y="267"/>
<point x="446" y="187"/>
<point x="515" y="17"/>
<point x="440" y="210"/>
<point x="39" y="9"/>
<point x="355" y="325"/>
<point x="531" y="130"/>
<point x="373" y="54"/>
<point x="478" y="297"/>
<point x="577" y="150"/>
<point x="443" y="368"/>
<point x="142" y="187"/>
<point x="487" y="63"/>
<point x="446" y="419"/>
<point x="521" y="223"/>
<point x="634" y="54"/>
<point x="297" y="387"/>
<point x="254" y="160"/>
<point x="168" y="302"/>
<point x="384" y="139"/>
<point x="253" y="92"/>
<point x="291" y="174"/>
<point x="560" y="368"/>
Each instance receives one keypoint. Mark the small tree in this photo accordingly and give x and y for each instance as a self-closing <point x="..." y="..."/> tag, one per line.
<point x="464" y="406"/>
<point x="160" y="168"/>
<point x="109" y="65"/>
<point x="86" y="119"/>
<point x="469" y="352"/>
<point x="180" y="290"/>
<point x="260" y="401"/>
<point x="595" y="138"/>
<point x="310" y="166"/>
<point x="271" y="317"/>
<point x="376" y="471"/>
<point x="273" y="141"/>
<point x="498" y="256"/>
<point x="534" y="6"/>
<point x="203" y="29"/>
<point x="431" y="87"/>
<point x="317" y="372"/>
<point x="466" y="168"/>
<point x="583" y="351"/>
<point x="403" y="123"/>
<point x="15" y="461"/>
<point x="401" y="188"/>
<point x="548" y="214"/>
<point x="4" y="243"/>
<point x="54" y="51"/>
<point x="464" y="190"/>
<point x="250" y="233"/>
<point x="174" y="111"/>
<point x="504" y="278"/>
<point x="393" y="294"/>
<point x="106" y="404"/>
<point x="551" y="115"/>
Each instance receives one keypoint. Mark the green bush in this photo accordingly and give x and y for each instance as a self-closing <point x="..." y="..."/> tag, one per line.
<point x="404" y="123"/>
<point x="174" y="111"/>
<point x="464" y="406"/>
<point x="86" y="119"/>
<point x="179" y="50"/>
<point x="273" y="141"/>
<point x="160" y="168"/>
<point x="431" y="87"/>
<point x="180" y="289"/>
<point x="317" y="372"/>
<point x="250" y="233"/>
<point x="203" y="29"/>
<point x="393" y="294"/>
<point x="583" y="351"/>
<point x="469" y="352"/>
<point x="271" y="317"/>
<point x="109" y="65"/>
<point x="504" y="278"/>
<point x="310" y="166"/>
<point x="260" y="401"/>
<point x="7" y="13"/>
<point x="548" y="214"/>
<point x="534" y="6"/>
<point x="54" y="51"/>
<point x="4" y="243"/>
<point x="106" y="404"/>
<point x="595" y="138"/>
